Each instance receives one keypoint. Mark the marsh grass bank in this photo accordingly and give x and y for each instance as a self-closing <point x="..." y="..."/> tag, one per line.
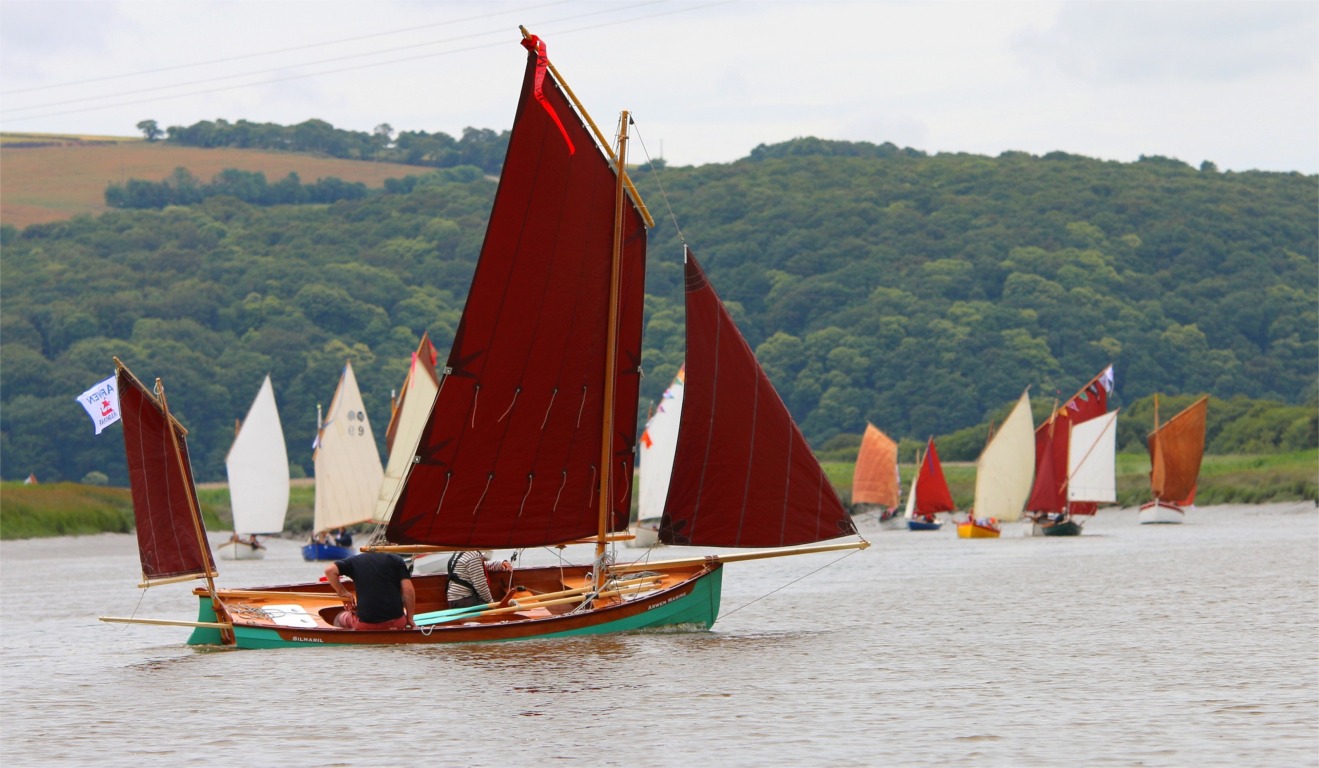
<point x="71" y="509"/>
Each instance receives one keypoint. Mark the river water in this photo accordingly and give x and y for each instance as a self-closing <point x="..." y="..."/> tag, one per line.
<point x="1192" y="645"/>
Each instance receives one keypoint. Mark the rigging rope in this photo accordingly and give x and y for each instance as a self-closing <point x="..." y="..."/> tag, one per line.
<point x="790" y="583"/>
<point x="650" y="162"/>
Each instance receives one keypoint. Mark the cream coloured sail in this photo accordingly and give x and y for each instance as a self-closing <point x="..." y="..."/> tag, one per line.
<point x="1006" y="467"/>
<point x="1092" y="460"/>
<point x="346" y="459"/>
<point x="258" y="468"/>
<point x="418" y="397"/>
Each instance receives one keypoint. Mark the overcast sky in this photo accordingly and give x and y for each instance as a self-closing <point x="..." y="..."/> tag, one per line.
<point x="1235" y="83"/>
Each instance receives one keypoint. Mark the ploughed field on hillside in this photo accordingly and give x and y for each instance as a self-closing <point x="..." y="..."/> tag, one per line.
<point x="53" y="178"/>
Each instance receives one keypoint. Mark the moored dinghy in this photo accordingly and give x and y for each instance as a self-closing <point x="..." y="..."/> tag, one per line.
<point x="530" y="440"/>
<point x="1176" y="449"/>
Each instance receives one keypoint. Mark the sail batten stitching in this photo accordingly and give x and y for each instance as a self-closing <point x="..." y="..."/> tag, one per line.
<point x="476" y="396"/>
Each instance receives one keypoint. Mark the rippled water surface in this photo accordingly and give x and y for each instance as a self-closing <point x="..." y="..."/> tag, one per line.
<point x="1192" y="645"/>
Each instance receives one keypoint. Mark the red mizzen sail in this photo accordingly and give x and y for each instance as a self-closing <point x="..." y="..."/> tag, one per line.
<point x="169" y="537"/>
<point x="743" y="475"/>
<point x="510" y="455"/>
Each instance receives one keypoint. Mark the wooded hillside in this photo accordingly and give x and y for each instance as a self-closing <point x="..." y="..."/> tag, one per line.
<point x="921" y="293"/>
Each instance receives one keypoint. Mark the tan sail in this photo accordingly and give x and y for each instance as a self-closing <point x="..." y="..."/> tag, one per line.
<point x="347" y="462"/>
<point x="1006" y="467"/>
<point x="1176" y="449"/>
<point x="409" y="421"/>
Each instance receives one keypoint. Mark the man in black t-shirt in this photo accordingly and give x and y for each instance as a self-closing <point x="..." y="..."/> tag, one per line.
<point x="384" y="597"/>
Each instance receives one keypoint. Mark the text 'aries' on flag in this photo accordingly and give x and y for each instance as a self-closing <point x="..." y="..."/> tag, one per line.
<point x="102" y="403"/>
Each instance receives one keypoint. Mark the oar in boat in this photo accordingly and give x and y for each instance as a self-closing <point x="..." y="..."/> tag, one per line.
<point x="450" y="614"/>
<point x="542" y="603"/>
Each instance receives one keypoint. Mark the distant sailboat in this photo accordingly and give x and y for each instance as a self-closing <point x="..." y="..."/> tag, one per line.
<point x="1050" y="503"/>
<point x="929" y="494"/>
<point x="348" y="470"/>
<point x="655" y="464"/>
<point x="1176" y="449"/>
<point x="1091" y="470"/>
<point x="875" y="481"/>
<point x="1003" y="475"/>
<point x="258" y="470"/>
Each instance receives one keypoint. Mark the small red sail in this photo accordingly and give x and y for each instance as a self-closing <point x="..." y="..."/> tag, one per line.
<point x="510" y="455"/>
<point x="743" y="475"/>
<point x="932" y="494"/>
<point x="1049" y="494"/>
<point x="160" y="476"/>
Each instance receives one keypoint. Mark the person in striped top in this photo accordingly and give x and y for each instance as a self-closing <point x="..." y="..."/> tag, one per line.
<point x="468" y="582"/>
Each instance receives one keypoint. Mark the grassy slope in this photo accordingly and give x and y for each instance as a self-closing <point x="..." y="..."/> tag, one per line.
<point x="54" y="183"/>
<point x="66" y="509"/>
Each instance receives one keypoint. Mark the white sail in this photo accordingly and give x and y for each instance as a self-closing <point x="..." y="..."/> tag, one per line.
<point x="655" y="461"/>
<point x="258" y="468"/>
<point x="1006" y="467"/>
<point x="911" y="494"/>
<point x="1092" y="460"/>
<point x="347" y="461"/>
<point x="418" y="398"/>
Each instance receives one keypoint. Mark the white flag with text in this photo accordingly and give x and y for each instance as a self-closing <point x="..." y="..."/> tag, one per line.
<point x="102" y="403"/>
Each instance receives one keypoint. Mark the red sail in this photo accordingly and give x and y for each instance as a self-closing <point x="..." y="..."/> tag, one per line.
<point x="743" y="475"/>
<point x="510" y="455"/>
<point x="932" y="494"/>
<point x="160" y="476"/>
<point x="1049" y="494"/>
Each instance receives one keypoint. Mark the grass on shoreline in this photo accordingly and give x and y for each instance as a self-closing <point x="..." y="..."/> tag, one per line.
<point x="71" y="509"/>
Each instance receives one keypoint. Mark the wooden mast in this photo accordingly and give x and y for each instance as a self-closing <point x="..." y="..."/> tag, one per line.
<point x="611" y="361"/>
<point x="226" y="635"/>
